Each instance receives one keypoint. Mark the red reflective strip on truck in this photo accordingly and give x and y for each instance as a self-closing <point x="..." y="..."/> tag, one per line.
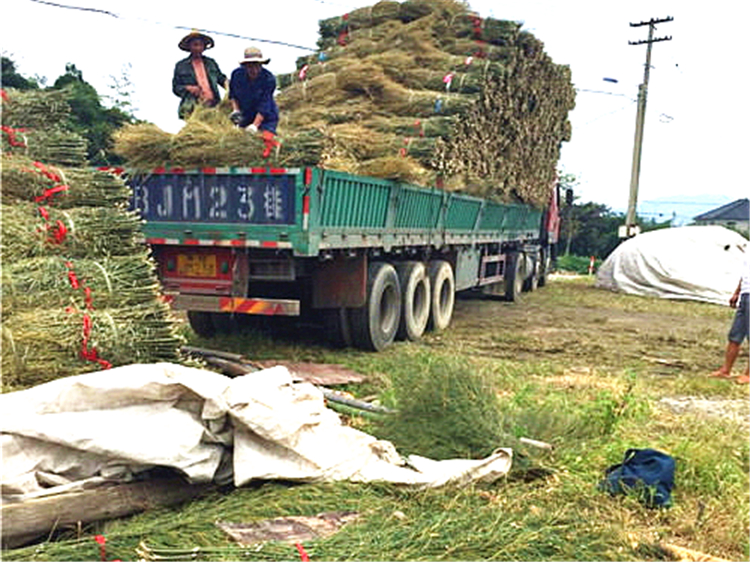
<point x="177" y="170"/>
<point x="308" y="176"/>
<point x="268" y="244"/>
<point x="156" y="240"/>
<point x="208" y="170"/>
<point x="249" y="306"/>
<point x="191" y="242"/>
<point x="257" y="170"/>
<point x="159" y="170"/>
<point x="277" y="170"/>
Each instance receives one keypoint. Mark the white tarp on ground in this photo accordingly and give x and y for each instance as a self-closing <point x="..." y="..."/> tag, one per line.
<point x="701" y="263"/>
<point x="114" y="424"/>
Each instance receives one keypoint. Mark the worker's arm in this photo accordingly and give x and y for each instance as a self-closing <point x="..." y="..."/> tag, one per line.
<point x="735" y="296"/>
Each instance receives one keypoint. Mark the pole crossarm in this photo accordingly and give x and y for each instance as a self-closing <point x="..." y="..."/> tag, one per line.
<point x="652" y="21"/>
<point x="667" y="38"/>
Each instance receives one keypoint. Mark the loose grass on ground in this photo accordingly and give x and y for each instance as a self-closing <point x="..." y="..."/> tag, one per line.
<point x="579" y="368"/>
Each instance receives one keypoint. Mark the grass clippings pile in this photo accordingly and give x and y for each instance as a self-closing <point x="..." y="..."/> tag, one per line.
<point x="80" y="292"/>
<point x="423" y="91"/>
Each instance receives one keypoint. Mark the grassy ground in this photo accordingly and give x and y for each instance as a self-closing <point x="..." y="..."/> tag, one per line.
<point x="571" y="365"/>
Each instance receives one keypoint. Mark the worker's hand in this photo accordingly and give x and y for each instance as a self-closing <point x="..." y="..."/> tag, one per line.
<point x="251" y="128"/>
<point x="733" y="299"/>
<point x="235" y="117"/>
<point x="195" y="90"/>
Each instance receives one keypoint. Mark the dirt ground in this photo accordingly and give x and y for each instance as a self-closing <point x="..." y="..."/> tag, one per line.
<point x="575" y="324"/>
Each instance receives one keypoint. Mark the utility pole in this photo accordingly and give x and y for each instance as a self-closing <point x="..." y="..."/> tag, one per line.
<point x="631" y="229"/>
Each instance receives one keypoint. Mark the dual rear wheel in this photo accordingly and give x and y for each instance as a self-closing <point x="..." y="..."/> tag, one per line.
<point x="402" y="302"/>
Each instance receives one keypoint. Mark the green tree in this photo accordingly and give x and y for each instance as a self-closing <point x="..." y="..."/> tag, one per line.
<point x="12" y="79"/>
<point x="596" y="230"/>
<point x="90" y="118"/>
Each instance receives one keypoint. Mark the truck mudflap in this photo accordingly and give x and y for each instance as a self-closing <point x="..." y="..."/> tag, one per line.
<point x="237" y="305"/>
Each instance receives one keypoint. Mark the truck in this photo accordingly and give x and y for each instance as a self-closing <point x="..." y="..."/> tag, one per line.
<point x="372" y="260"/>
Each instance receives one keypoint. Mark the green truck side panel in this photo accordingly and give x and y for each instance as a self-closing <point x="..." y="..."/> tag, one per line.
<point x="348" y="211"/>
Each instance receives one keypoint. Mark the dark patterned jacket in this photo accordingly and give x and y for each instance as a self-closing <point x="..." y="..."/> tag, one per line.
<point x="184" y="75"/>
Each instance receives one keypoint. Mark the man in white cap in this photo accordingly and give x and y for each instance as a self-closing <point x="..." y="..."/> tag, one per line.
<point x="196" y="78"/>
<point x="251" y="91"/>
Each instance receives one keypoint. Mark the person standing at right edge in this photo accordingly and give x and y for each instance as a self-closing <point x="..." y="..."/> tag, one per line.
<point x="740" y="330"/>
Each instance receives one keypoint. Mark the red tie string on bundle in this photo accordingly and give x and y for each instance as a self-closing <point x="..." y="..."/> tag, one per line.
<point x="476" y="24"/>
<point x="11" y="132"/>
<point x="58" y="232"/>
<point x="59" y="186"/>
<point x="49" y="192"/>
<point x="302" y="554"/>
<point x="418" y="128"/>
<point x="44" y="170"/>
<point x="89" y="354"/>
<point x="113" y="170"/>
<point x="343" y="38"/>
<point x="447" y="79"/>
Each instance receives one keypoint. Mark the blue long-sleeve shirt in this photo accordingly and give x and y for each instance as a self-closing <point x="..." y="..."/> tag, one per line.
<point x="255" y="97"/>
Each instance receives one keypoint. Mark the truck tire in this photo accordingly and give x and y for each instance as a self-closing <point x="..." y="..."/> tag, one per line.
<point x="545" y="262"/>
<point x="374" y="325"/>
<point x="338" y="326"/>
<point x="513" y="277"/>
<point x="532" y="281"/>
<point x="442" y="295"/>
<point x="415" y="299"/>
<point x="201" y="323"/>
<point x="223" y="322"/>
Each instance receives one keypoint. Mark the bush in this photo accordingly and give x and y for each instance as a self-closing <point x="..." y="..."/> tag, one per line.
<point x="576" y="264"/>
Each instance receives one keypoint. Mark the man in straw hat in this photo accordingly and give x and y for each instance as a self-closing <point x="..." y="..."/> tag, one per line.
<point x="251" y="91"/>
<point x="197" y="78"/>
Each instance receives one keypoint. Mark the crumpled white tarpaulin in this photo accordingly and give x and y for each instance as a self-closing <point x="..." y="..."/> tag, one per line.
<point x="702" y="263"/>
<point x="117" y="423"/>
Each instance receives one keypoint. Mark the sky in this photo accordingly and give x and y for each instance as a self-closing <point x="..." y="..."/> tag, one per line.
<point x="695" y="145"/>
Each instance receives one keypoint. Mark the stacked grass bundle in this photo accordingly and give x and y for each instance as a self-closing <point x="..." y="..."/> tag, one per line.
<point x="79" y="289"/>
<point x="423" y="91"/>
<point x="210" y="139"/>
<point x="475" y="102"/>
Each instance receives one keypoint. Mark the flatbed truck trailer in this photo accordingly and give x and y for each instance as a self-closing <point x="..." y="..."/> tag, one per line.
<point x="373" y="259"/>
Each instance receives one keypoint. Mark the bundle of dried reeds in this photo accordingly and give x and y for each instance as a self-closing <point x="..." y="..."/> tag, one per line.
<point x="79" y="289"/>
<point x="78" y="232"/>
<point x="24" y="179"/>
<point x="43" y="344"/>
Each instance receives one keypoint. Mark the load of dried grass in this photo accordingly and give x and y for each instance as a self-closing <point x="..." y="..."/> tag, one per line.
<point x="473" y="101"/>
<point x="499" y="104"/>
<point x="77" y="281"/>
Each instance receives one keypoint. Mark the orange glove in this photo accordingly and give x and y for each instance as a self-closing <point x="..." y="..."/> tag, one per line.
<point x="270" y="142"/>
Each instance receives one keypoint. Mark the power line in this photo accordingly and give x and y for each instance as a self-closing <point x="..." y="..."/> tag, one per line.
<point x="215" y="32"/>
<point x="603" y="92"/>
<point x="76" y="8"/>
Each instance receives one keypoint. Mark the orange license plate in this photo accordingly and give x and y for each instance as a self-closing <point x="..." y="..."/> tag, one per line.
<point x="196" y="265"/>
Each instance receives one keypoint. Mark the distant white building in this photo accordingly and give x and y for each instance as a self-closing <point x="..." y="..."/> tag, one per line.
<point x="735" y="215"/>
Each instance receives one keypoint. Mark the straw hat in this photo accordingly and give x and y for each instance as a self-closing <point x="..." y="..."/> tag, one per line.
<point x="184" y="44"/>
<point x="253" y="54"/>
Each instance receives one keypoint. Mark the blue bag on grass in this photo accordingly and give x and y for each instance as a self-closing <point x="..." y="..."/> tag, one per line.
<point x="648" y="472"/>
